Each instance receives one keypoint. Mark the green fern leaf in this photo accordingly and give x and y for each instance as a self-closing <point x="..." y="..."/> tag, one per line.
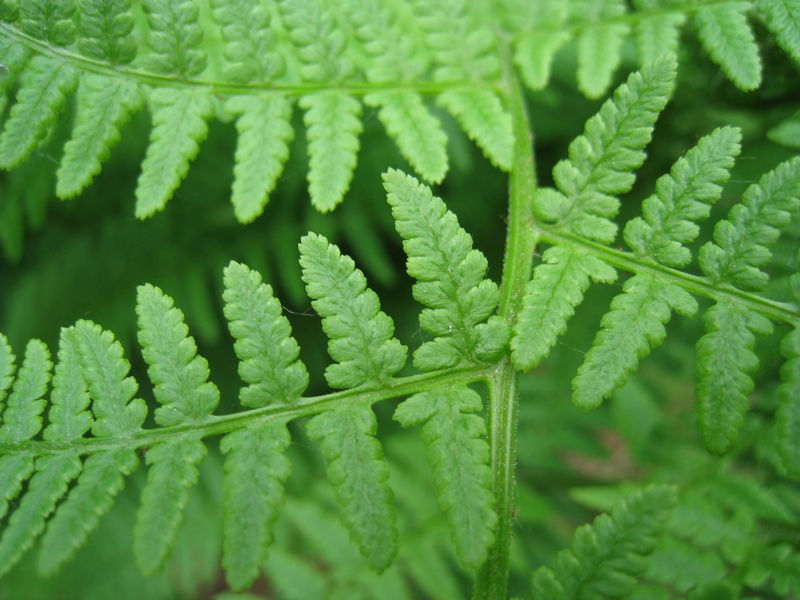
<point x="45" y="87"/>
<point x="69" y="417"/>
<point x="787" y="132"/>
<point x="179" y="125"/>
<point x="22" y="417"/>
<point x="333" y="123"/>
<point x="249" y="41"/>
<point x="358" y="474"/>
<point x="783" y="20"/>
<point x="266" y="351"/>
<point x="50" y="21"/>
<point x="255" y="470"/>
<point x="607" y="556"/>
<point x="105" y="371"/>
<point x="48" y="484"/>
<point x="725" y="365"/>
<point x="418" y="134"/>
<point x="105" y="31"/>
<point x="7" y="368"/>
<point x="175" y="38"/>
<point x="361" y="335"/>
<point x="483" y="117"/>
<point x="14" y="471"/>
<point x="601" y="161"/>
<point x="173" y="470"/>
<point x="599" y="44"/>
<point x="743" y="240"/>
<point x="542" y="36"/>
<point x="104" y="107"/>
<point x="265" y="131"/>
<point x="450" y="279"/>
<point x="458" y="456"/>
<point x="658" y="34"/>
<point x="180" y="376"/>
<point x="557" y="287"/>
<point x="683" y="197"/>
<point x="728" y="39"/>
<point x="102" y="479"/>
<point x="627" y="333"/>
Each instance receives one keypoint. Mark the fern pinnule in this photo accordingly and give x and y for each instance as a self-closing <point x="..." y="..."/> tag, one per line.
<point x="179" y="375"/>
<point x="105" y="105"/>
<point x="725" y="355"/>
<point x="459" y="457"/>
<point x="450" y="279"/>
<point x="256" y="468"/>
<point x="599" y="43"/>
<point x="7" y="368"/>
<point x="608" y="556"/>
<point x="541" y="36"/>
<point x="781" y="17"/>
<point x="657" y="34"/>
<point x="788" y="415"/>
<point x="600" y="166"/>
<point x="22" y="418"/>
<point x="105" y="31"/>
<point x="634" y="325"/>
<point x="267" y="352"/>
<point x="361" y="335"/>
<point x="727" y="37"/>
<point x="175" y="38"/>
<point x="69" y="417"/>
<point x="362" y="343"/>
<point x="50" y="21"/>
<point x="43" y="94"/>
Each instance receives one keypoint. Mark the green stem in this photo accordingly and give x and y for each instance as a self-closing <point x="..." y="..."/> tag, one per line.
<point x="492" y="579"/>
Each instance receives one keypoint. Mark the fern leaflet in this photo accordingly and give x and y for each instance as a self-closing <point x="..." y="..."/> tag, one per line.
<point x="599" y="43"/>
<point x="783" y="19"/>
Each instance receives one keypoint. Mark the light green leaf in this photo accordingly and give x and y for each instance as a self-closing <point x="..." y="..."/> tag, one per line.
<point x="789" y="412"/>
<point x="658" y="34"/>
<point x="783" y="20"/>
<point x="256" y="468"/>
<point x="7" y="367"/>
<point x="173" y="470"/>
<point x="359" y="474"/>
<point x="333" y="122"/>
<point x="50" y="21"/>
<point x="179" y="125"/>
<point x="361" y="335"/>
<point x="599" y="44"/>
<point x="537" y="44"/>
<point x="69" y="416"/>
<point x="15" y="469"/>
<point x="265" y="132"/>
<point x="266" y="351"/>
<point x="459" y="458"/>
<point x="175" y="37"/>
<point x="22" y="418"/>
<point x="105" y="31"/>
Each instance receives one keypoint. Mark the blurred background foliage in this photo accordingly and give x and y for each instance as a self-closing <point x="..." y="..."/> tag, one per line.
<point x="737" y="518"/>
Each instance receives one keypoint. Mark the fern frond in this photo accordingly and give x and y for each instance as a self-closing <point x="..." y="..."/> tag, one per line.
<point x="450" y="279"/>
<point x="359" y="474"/>
<point x="600" y="166"/>
<point x="725" y="358"/>
<point x="458" y="457"/>
<point x="783" y="20"/>
<point x="180" y="376"/>
<point x="601" y="161"/>
<point x="104" y="106"/>
<point x="22" y="417"/>
<point x="256" y="468"/>
<point x="265" y="131"/>
<point x="726" y="362"/>
<point x="43" y="94"/>
<point x="51" y="20"/>
<point x="105" y="371"/>
<point x="179" y="125"/>
<point x="249" y="41"/>
<point x="174" y="38"/>
<point x="682" y="198"/>
<point x="727" y="37"/>
<point x="333" y="124"/>
<point x="173" y="470"/>
<point x="634" y="325"/>
<point x="599" y="43"/>
<point x="266" y="350"/>
<point x="607" y="556"/>
<point x="361" y="335"/>
<point x="627" y="333"/>
<point x="105" y="31"/>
